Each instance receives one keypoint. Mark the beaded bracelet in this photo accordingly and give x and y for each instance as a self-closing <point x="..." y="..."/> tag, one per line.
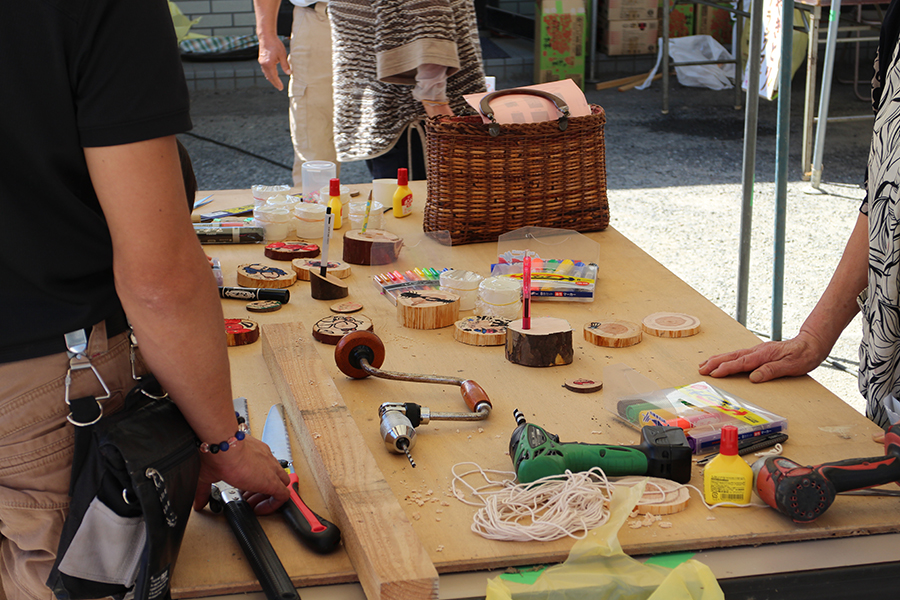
<point x="231" y="442"/>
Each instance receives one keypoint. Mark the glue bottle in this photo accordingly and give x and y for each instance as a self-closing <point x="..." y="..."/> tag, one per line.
<point x="728" y="477"/>
<point x="403" y="195"/>
<point x="334" y="201"/>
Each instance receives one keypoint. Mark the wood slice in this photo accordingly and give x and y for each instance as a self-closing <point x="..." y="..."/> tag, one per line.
<point x="330" y="329"/>
<point x="427" y="309"/>
<point x="481" y="331"/>
<point x="661" y="496"/>
<point x="671" y="325"/>
<point x="547" y="343"/>
<point x="261" y="306"/>
<point x="346" y="307"/>
<point x="240" y="332"/>
<point x="326" y="288"/>
<point x="612" y="333"/>
<point x="374" y="247"/>
<point x="264" y="276"/>
<point x="291" y="250"/>
<point x="302" y="267"/>
<point x="583" y="385"/>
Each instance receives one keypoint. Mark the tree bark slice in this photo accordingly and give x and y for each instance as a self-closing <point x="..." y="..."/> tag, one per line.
<point x="481" y="331"/>
<point x="374" y="247"/>
<point x="547" y="343"/>
<point x="291" y="250"/>
<point x="427" y="309"/>
<point x="330" y="329"/>
<point x="302" y="267"/>
<point x="240" y="332"/>
<point x="613" y="333"/>
<point x="671" y="325"/>
<point x="326" y="288"/>
<point x="264" y="276"/>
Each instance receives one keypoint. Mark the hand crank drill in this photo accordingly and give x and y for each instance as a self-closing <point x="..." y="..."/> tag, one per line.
<point x="804" y="493"/>
<point x="361" y="353"/>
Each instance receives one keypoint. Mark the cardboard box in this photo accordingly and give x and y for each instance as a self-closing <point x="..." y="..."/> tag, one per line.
<point x="681" y="20"/>
<point x="629" y="37"/>
<point x="561" y="34"/>
<point x="715" y="22"/>
<point x="630" y="10"/>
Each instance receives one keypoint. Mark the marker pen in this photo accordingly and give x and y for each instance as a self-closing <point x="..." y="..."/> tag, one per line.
<point x="230" y="235"/>
<point x="241" y="293"/>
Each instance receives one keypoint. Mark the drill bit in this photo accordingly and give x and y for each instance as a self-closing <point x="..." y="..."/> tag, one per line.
<point x="403" y="444"/>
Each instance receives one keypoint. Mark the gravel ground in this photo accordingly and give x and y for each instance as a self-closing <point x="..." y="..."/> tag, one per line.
<point x="674" y="189"/>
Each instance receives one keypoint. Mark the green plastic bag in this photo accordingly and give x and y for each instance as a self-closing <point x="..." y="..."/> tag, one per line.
<point x="598" y="569"/>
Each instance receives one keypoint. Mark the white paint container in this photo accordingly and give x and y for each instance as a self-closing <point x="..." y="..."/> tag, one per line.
<point x="261" y="193"/>
<point x="462" y="283"/>
<point x="275" y="220"/>
<point x="499" y="297"/>
<point x="310" y="220"/>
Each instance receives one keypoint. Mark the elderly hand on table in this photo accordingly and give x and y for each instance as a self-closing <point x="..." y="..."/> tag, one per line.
<point x="770" y="360"/>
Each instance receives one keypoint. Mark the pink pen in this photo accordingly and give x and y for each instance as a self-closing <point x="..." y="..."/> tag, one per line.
<point x="526" y="292"/>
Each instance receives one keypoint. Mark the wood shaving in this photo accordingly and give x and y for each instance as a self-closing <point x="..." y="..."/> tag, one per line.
<point x="635" y="524"/>
<point x="416" y="516"/>
<point x="440" y="548"/>
<point x="481" y="430"/>
<point x="665" y="524"/>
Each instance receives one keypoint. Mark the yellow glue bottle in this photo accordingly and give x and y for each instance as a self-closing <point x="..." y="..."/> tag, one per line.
<point x="334" y="201"/>
<point x="728" y="477"/>
<point x="403" y="196"/>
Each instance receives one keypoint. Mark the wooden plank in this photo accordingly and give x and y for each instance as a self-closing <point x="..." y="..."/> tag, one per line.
<point x="388" y="556"/>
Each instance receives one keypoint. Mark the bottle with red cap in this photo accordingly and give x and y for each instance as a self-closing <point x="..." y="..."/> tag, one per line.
<point x="334" y="201"/>
<point x="728" y="477"/>
<point x="403" y="196"/>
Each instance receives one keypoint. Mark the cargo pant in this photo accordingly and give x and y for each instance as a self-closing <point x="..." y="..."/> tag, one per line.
<point x="36" y="444"/>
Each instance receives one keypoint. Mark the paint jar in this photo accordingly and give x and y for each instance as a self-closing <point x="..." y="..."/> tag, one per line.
<point x="358" y="215"/>
<point x="499" y="297"/>
<point x="276" y="221"/>
<point x="383" y="190"/>
<point x="310" y="220"/>
<point x="315" y="174"/>
<point x="285" y="201"/>
<point x="261" y="193"/>
<point x="462" y="283"/>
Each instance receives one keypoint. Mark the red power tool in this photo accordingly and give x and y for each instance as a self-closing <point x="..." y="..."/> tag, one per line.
<point x="804" y="493"/>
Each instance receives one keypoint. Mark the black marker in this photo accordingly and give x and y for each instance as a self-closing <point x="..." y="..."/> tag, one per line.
<point x="230" y="235"/>
<point x="242" y="293"/>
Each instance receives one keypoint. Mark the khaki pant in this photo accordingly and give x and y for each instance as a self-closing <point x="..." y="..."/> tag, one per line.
<point x="36" y="443"/>
<point x="309" y="90"/>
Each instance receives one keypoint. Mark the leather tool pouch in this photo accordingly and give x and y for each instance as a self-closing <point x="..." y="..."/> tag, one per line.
<point x="134" y="477"/>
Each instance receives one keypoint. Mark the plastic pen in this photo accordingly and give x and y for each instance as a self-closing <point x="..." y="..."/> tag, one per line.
<point x="324" y="268"/>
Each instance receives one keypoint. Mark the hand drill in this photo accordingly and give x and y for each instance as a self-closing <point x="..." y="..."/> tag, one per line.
<point x="663" y="452"/>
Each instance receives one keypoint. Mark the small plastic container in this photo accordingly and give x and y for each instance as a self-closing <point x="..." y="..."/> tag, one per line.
<point x="462" y="283"/>
<point x="310" y="220"/>
<point x="261" y="193"/>
<point x="315" y="174"/>
<point x="275" y="220"/>
<point x="499" y="297"/>
<point x="358" y="215"/>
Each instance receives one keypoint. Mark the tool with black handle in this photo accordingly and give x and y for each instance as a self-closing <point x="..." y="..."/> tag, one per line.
<point x="253" y="541"/>
<point x="804" y="493"/>
<point x="663" y="452"/>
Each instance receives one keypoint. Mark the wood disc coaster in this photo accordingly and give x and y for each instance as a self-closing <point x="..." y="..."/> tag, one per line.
<point x="613" y="333"/>
<point x="583" y="385"/>
<point x="547" y="343"/>
<point x="427" y="309"/>
<point x="302" y="267"/>
<point x="240" y="332"/>
<point x="481" y="331"/>
<point x="374" y="247"/>
<point x="330" y="329"/>
<point x="346" y="307"/>
<point x="671" y="325"/>
<point x="291" y="250"/>
<point x="264" y="276"/>
<point x="661" y="496"/>
<point x="261" y="306"/>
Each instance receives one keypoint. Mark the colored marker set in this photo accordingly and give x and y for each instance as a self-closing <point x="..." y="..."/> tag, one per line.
<point x="701" y="410"/>
<point x="554" y="279"/>
<point x="421" y="278"/>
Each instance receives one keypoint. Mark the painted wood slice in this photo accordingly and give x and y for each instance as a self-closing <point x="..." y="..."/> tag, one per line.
<point x="671" y="325"/>
<point x="481" y="331"/>
<point x="291" y="250"/>
<point x="374" y="247"/>
<point x="547" y="343"/>
<point x="261" y="306"/>
<point x="661" y="496"/>
<point x="326" y="288"/>
<point x="240" y="332"/>
<point x="330" y="329"/>
<point x="346" y="307"/>
<point x="613" y="333"/>
<point x="265" y="276"/>
<point x="583" y="385"/>
<point x="336" y="268"/>
<point x="427" y="309"/>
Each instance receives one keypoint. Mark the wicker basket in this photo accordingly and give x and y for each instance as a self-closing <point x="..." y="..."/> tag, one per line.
<point x="532" y="174"/>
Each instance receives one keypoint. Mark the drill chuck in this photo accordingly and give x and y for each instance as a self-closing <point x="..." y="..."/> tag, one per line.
<point x="397" y="432"/>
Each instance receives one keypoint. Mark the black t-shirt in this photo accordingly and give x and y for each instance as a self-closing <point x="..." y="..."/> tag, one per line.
<point x="75" y="74"/>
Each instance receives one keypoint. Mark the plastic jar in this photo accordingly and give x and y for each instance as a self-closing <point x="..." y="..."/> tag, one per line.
<point x="276" y="221"/>
<point x="357" y="212"/>
<point x="310" y="220"/>
<point x="261" y="193"/>
<point x="499" y="297"/>
<point x="462" y="283"/>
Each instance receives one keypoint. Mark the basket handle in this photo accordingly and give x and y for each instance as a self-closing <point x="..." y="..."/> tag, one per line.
<point x="488" y="112"/>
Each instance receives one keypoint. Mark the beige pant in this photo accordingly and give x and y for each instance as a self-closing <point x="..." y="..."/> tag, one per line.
<point x="309" y="91"/>
<point x="36" y="445"/>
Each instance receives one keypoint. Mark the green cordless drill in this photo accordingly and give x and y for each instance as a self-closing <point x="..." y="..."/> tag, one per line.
<point x="663" y="452"/>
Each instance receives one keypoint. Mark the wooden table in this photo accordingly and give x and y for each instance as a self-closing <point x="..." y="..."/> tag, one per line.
<point x="631" y="285"/>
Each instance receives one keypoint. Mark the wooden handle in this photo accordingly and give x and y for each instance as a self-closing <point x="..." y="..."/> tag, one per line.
<point x="473" y="394"/>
